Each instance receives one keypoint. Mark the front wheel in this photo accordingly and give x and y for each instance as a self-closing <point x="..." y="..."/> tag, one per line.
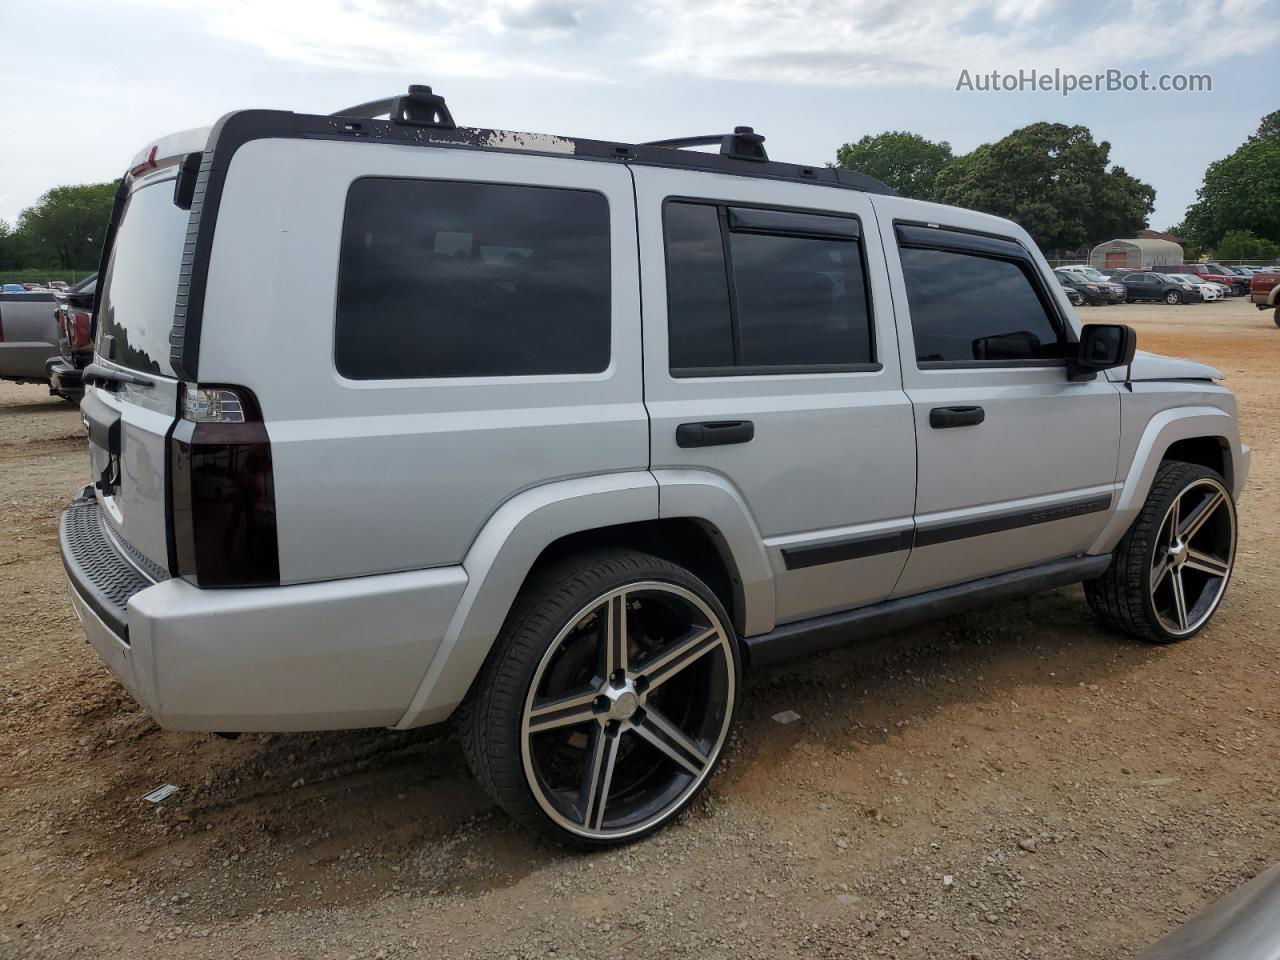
<point x="1276" y="316"/>
<point x="1171" y="569"/>
<point x="607" y="702"/>
<point x="1173" y="297"/>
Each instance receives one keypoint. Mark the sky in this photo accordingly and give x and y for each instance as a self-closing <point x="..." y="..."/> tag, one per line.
<point x="84" y="86"/>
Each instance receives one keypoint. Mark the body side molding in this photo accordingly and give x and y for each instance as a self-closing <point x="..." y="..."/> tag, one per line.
<point x="804" y="638"/>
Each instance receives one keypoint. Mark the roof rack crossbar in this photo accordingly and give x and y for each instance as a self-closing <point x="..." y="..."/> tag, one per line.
<point x="419" y="107"/>
<point x="743" y="144"/>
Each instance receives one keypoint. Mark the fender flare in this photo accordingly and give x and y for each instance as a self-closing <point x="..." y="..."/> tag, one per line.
<point x="498" y="562"/>
<point x="714" y="500"/>
<point x="516" y="534"/>
<point x="1162" y="431"/>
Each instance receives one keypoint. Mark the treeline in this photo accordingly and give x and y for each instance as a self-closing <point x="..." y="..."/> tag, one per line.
<point x="63" y="230"/>
<point x="1058" y="183"/>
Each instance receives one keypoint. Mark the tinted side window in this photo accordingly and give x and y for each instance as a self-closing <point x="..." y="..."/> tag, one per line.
<point x="966" y="307"/>
<point x="455" y="279"/>
<point x="801" y="300"/>
<point x="699" y="322"/>
<point x="783" y="301"/>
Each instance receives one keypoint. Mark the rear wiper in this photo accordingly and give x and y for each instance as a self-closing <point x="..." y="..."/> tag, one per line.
<point x="96" y="371"/>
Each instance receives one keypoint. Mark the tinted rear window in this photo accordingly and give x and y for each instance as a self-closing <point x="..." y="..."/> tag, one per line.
<point x="141" y="281"/>
<point x="456" y="279"/>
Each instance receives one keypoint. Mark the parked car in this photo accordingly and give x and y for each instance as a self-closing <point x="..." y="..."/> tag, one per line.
<point x="1208" y="290"/>
<point x="1155" y="286"/>
<point x="1094" y="295"/>
<point x="75" y="341"/>
<point x="28" y="335"/>
<point x="1073" y="295"/>
<point x="471" y="479"/>
<point x="1213" y="273"/>
<point x="1264" y="292"/>
<point x="13" y="288"/>
<point x="1112" y="289"/>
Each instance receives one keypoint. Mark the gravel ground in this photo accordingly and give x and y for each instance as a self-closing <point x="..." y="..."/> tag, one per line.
<point x="1015" y="782"/>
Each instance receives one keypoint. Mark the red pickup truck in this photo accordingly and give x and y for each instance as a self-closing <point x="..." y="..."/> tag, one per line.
<point x="1264" y="291"/>
<point x="1214" y="274"/>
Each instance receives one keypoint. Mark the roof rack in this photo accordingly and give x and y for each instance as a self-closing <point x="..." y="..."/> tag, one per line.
<point x="420" y="117"/>
<point x="743" y="144"/>
<point x="419" y="107"/>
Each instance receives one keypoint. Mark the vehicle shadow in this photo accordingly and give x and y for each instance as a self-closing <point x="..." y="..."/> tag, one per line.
<point x="348" y="816"/>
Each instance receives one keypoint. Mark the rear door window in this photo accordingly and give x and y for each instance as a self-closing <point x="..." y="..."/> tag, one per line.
<point x="141" y="281"/>
<point x="459" y="279"/>
<point x="764" y="291"/>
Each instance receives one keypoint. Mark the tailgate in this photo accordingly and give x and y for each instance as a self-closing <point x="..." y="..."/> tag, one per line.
<point x="131" y="393"/>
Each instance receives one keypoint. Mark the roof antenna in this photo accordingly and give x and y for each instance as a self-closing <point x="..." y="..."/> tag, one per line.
<point x="419" y="108"/>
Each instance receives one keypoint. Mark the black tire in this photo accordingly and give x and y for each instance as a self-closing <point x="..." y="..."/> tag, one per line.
<point x="1122" y="597"/>
<point x="1173" y="297"/>
<point x="1276" y="316"/>
<point x="492" y="721"/>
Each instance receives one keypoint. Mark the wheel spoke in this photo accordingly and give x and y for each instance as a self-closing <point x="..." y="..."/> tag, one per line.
<point x="679" y="655"/>
<point x="1175" y="514"/>
<point x="1179" y="599"/>
<point x="563" y="712"/>
<point x="615" y="638"/>
<point x="599" y="775"/>
<point x="1198" y="517"/>
<point x="661" y="733"/>
<point x="1206" y="563"/>
<point x="1159" y="572"/>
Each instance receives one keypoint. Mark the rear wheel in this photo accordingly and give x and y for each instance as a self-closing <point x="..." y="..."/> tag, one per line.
<point x="1171" y="569"/>
<point x="1173" y="297"/>
<point x="1276" y="316"/>
<point x="608" y="700"/>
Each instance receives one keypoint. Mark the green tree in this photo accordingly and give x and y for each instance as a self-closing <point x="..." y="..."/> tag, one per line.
<point x="67" y="225"/>
<point x="1241" y="191"/>
<point x="1244" y="245"/>
<point x="905" y="161"/>
<point x="9" y="255"/>
<point x="1053" y="180"/>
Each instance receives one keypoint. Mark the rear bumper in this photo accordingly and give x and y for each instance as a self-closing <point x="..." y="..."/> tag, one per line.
<point x="25" y="360"/>
<point x="334" y="655"/>
<point x="65" y="379"/>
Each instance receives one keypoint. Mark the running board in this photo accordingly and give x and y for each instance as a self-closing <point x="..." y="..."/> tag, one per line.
<point x="793" y="641"/>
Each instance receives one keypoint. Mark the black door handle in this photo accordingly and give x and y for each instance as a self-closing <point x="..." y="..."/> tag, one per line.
<point x="714" y="433"/>
<point x="940" y="418"/>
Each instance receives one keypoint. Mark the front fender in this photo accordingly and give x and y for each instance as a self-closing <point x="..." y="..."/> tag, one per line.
<point x="1163" y="430"/>
<point x="498" y="562"/>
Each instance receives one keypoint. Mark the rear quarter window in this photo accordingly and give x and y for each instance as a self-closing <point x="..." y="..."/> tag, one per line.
<point x="445" y="278"/>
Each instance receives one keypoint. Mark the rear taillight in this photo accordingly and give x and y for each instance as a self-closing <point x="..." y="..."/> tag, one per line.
<point x="75" y="327"/>
<point x="222" y="490"/>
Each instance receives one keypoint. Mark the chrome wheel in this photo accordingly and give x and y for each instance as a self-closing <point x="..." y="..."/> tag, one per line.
<point x="1193" y="555"/>
<point x="628" y="710"/>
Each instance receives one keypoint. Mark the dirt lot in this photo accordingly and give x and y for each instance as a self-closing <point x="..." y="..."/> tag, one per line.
<point x="1014" y="782"/>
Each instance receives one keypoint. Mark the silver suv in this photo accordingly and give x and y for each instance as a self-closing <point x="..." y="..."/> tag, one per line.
<point x="394" y="422"/>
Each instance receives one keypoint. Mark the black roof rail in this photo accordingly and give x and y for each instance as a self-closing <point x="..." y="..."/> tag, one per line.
<point x="419" y="108"/>
<point x="743" y="144"/>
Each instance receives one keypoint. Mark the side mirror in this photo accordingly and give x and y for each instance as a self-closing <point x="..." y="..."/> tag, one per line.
<point x="1103" y="346"/>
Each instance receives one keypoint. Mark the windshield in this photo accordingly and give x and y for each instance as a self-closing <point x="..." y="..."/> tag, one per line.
<point x="141" y="281"/>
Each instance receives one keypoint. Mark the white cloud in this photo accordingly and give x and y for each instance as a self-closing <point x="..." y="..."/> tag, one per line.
<point x="468" y="38"/>
<point x="873" y="42"/>
<point x="856" y="43"/>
